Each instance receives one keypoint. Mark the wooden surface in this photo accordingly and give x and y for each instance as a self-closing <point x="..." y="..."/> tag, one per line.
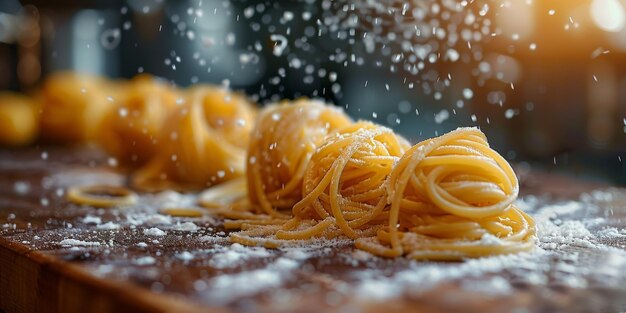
<point x="38" y="274"/>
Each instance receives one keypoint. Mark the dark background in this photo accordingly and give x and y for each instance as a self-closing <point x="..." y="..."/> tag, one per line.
<point x="545" y="81"/>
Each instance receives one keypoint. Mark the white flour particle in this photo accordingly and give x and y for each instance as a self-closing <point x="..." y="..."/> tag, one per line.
<point x="91" y="219"/>
<point x="74" y="242"/>
<point x="108" y="226"/>
<point x="146" y="260"/>
<point x="187" y="226"/>
<point x="158" y="219"/>
<point x="237" y="254"/>
<point x="228" y="287"/>
<point x="154" y="232"/>
<point x="185" y="256"/>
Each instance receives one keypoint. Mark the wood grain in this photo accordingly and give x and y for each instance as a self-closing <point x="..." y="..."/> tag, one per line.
<point x="35" y="282"/>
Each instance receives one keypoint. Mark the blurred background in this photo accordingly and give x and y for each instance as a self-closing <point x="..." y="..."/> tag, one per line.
<point x="546" y="80"/>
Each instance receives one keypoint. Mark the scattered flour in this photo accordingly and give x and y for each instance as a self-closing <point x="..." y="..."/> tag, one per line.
<point x="426" y="276"/>
<point x="495" y="286"/>
<point x="611" y="232"/>
<point x="148" y="219"/>
<point x="186" y="226"/>
<point x="225" y="288"/>
<point x="74" y="242"/>
<point x="169" y="198"/>
<point x="568" y="233"/>
<point x="560" y="229"/>
<point x="237" y="254"/>
<point x="146" y="260"/>
<point x="91" y="219"/>
<point x="154" y="232"/>
<point x="21" y="188"/>
<point x="564" y="234"/>
<point x="185" y="256"/>
<point x="108" y="226"/>
<point x="559" y="209"/>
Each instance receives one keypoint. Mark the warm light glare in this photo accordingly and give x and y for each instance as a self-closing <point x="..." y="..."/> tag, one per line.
<point x="517" y="19"/>
<point x="609" y="15"/>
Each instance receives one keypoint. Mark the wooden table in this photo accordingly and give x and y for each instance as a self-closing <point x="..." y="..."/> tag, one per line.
<point x="121" y="266"/>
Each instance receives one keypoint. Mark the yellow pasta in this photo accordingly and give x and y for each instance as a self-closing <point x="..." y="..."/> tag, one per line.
<point x="283" y="140"/>
<point x="297" y="172"/>
<point x="446" y="198"/>
<point x="202" y="143"/>
<point x="18" y="119"/>
<point x="343" y="189"/>
<point x="182" y="212"/>
<point x="225" y="195"/>
<point x="131" y="131"/>
<point x="346" y="176"/>
<point x="73" y="106"/>
<point x="451" y="198"/>
<point x="102" y="196"/>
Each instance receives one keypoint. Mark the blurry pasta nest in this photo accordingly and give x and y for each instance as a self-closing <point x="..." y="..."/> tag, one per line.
<point x="73" y="107"/>
<point x="131" y="130"/>
<point x="19" y="123"/>
<point x="202" y="142"/>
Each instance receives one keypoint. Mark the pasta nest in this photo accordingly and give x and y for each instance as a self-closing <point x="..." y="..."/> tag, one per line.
<point x="346" y="178"/>
<point x="131" y="131"/>
<point x="285" y="137"/>
<point x="343" y="187"/>
<point x="73" y="107"/>
<point x="202" y="143"/>
<point x="452" y="197"/>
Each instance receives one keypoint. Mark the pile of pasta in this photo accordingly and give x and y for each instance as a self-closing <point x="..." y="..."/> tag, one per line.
<point x="294" y="173"/>
<point x="446" y="198"/>
<point x="169" y="138"/>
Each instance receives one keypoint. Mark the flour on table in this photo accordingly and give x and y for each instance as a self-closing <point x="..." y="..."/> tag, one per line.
<point x="154" y="232"/>
<point x="74" y="242"/>
<point x="146" y="260"/>
<point x="91" y="219"/>
<point x="186" y="226"/>
<point x="226" y="287"/>
<point x="108" y="226"/>
<point x="564" y="234"/>
<point x="236" y="254"/>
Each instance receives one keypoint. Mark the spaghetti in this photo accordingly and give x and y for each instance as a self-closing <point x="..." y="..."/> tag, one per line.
<point x="131" y="131"/>
<point x="202" y="144"/>
<point x="19" y="119"/>
<point x="310" y="172"/>
<point x="446" y="198"/>
<point x="102" y="196"/>
<point x="343" y="189"/>
<point x="451" y="198"/>
<point x="72" y="107"/>
<point x="182" y="212"/>
<point x="282" y="143"/>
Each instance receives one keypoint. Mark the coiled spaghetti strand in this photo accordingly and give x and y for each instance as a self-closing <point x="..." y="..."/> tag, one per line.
<point x="452" y="197"/>
<point x="202" y="144"/>
<point x="341" y="195"/>
<point x="282" y="143"/>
